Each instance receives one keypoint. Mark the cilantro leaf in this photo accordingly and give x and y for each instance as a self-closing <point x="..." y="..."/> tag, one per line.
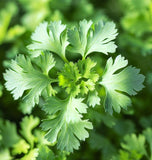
<point x="45" y="153"/>
<point x="148" y="135"/>
<point x="5" y="154"/>
<point x="134" y="145"/>
<point x="67" y="126"/>
<point x="86" y="68"/>
<point x="40" y="137"/>
<point x="27" y="125"/>
<point x="78" y="37"/>
<point x="93" y="99"/>
<point x="127" y="81"/>
<point x="102" y="144"/>
<point x="123" y="155"/>
<point x="53" y="40"/>
<point x="31" y="155"/>
<point x="6" y="15"/>
<point x="20" y="147"/>
<point x="86" y="40"/>
<point x="100" y="38"/>
<point x="45" y="62"/>
<point x="24" y="76"/>
<point x="14" y="32"/>
<point x="25" y="108"/>
<point x="9" y="134"/>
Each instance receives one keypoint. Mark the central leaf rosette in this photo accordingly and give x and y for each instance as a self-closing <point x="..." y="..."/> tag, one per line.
<point x="78" y="78"/>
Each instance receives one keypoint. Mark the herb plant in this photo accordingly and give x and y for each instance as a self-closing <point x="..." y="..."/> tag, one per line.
<point x="30" y="77"/>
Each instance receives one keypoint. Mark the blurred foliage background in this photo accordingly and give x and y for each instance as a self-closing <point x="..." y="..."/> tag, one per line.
<point x="124" y="136"/>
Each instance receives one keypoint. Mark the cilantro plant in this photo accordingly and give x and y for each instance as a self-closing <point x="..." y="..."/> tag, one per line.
<point x="68" y="86"/>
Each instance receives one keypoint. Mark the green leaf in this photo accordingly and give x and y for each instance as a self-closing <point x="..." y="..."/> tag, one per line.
<point x="108" y="120"/>
<point x="27" y="125"/>
<point x="14" y="32"/>
<point x="40" y="137"/>
<point x="53" y="40"/>
<point x="134" y="145"/>
<point x="24" y="76"/>
<point x="87" y="39"/>
<point x="25" y="108"/>
<point x="6" y="15"/>
<point x="78" y="77"/>
<point x="69" y="77"/>
<point x="9" y="134"/>
<point x="66" y="124"/>
<point x="148" y="135"/>
<point x="123" y="155"/>
<point x="45" y="153"/>
<point x="103" y="144"/>
<point x="78" y="37"/>
<point x="31" y="155"/>
<point x="93" y="99"/>
<point x="20" y="147"/>
<point x="5" y="154"/>
<point x="86" y="68"/>
<point x="118" y="84"/>
<point x="45" y="62"/>
<point x="100" y="39"/>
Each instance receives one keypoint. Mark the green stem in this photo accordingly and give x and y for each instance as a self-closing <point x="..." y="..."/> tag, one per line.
<point x="53" y="80"/>
<point x="65" y="60"/>
<point x="83" y="58"/>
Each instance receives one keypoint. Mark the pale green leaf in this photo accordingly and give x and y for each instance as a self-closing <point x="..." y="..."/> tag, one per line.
<point x="5" y="154"/>
<point x="67" y="126"/>
<point x="45" y="62"/>
<point x="87" y="39"/>
<point x="100" y="39"/>
<point x="93" y="99"/>
<point x="23" y="76"/>
<point x="78" y="37"/>
<point x="118" y="84"/>
<point x="53" y="40"/>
